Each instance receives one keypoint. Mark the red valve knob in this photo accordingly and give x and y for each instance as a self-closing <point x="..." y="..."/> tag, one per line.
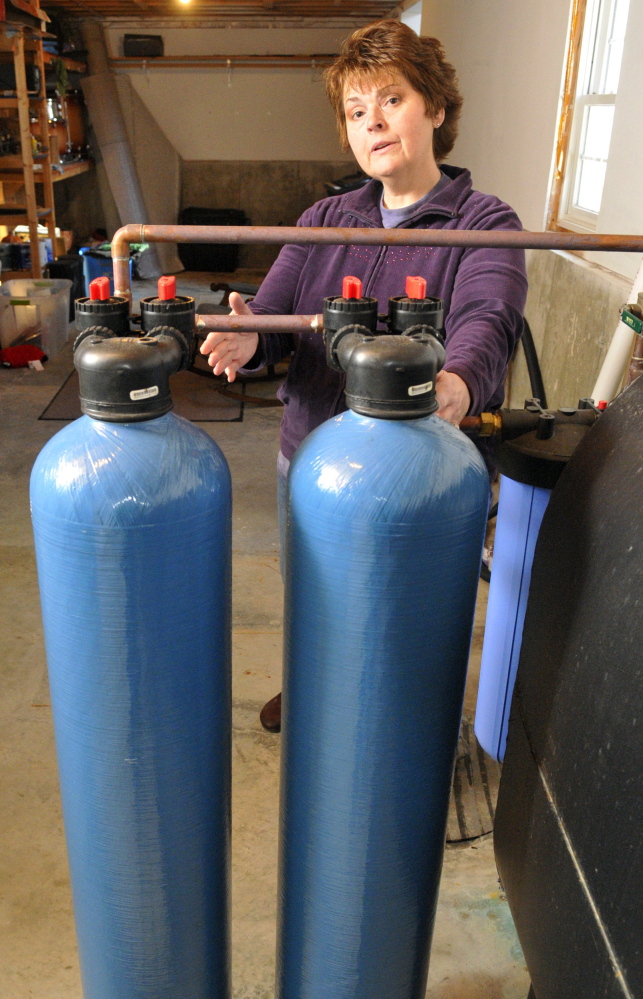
<point x="99" y="290"/>
<point x="602" y="405"/>
<point x="351" y="287"/>
<point x="167" y="287"/>
<point x="415" y="287"/>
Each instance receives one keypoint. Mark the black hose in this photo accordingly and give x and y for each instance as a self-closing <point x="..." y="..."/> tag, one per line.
<point x="533" y="367"/>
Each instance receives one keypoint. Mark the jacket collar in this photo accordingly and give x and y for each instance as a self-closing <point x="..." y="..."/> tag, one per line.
<point x="364" y="204"/>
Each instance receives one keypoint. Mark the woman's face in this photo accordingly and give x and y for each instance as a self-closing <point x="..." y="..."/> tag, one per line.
<point x="388" y="128"/>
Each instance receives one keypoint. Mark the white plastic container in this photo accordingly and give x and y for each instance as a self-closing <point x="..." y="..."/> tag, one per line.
<point x="38" y="313"/>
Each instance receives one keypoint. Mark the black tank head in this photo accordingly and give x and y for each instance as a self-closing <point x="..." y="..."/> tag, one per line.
<point x="126" y="379"/>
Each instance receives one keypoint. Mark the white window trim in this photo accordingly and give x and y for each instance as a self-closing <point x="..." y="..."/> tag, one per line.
<point x="572" y="216"/>
<point x="598" y="24"/>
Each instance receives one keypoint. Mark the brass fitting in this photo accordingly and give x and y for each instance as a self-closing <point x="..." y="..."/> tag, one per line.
<point x="490" y="423"/>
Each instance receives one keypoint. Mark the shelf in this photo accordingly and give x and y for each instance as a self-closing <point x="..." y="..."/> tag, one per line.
<point x="69" y="170"/>
<point x="19" y="218"/>
<point x="15" y="162"/>
<point x="70" y="64"/>
<point x="16" y="275"/>
<point x="26" y="46"/>
<point x="222" y="61"/>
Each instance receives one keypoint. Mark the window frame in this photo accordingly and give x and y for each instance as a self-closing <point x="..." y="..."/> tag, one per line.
<point x="570" y="214"/>
<point x="590" y="19"/>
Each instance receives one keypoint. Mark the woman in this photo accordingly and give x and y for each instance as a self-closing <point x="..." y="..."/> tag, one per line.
<point x="397" y="107"/>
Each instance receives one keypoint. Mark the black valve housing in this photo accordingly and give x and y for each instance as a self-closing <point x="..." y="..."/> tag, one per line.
<point x="178" y="313"/>
<point x="346" y="315"/>
<point x="404" y="312"/>
<point x="340" y="312"/>
<point x="112" y="313"/>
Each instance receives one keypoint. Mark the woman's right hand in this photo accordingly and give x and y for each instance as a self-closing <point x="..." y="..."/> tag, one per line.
<point x="231" y="351"/>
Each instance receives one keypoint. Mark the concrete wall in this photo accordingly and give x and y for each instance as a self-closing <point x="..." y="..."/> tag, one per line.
<point x="270" y="193"/>
<point x="79" y="205"/>
<point x="270" y="114"/>
<point x="90" y="203"/>
<point x="572" y="309"/>
<point x="158" y="166"/>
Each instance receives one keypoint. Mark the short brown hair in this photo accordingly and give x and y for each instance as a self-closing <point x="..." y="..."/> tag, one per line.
<point x="389" y="46"/>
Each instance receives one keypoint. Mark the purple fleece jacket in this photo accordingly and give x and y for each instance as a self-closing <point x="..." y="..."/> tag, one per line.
<point x="483" y="292"/>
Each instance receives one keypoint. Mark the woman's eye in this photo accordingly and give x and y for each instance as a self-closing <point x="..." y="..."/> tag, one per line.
<point x="393" y="100"/>
<point x="356" y="114"/>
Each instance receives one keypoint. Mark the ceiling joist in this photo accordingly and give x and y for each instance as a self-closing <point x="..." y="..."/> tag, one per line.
<point x="361" y="11"/>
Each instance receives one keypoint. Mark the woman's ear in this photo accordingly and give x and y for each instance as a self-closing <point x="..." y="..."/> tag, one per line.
<point x="438" y="118"/>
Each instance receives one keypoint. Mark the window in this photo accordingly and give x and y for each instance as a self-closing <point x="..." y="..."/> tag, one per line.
<point x="596" y="67"/>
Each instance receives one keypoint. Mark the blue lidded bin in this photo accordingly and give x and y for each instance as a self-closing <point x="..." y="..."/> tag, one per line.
<point x="96" y="265"/>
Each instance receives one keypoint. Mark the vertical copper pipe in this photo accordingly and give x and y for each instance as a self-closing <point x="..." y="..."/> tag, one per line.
<point x="566" y="111"/>
<point x="120" y="257"/>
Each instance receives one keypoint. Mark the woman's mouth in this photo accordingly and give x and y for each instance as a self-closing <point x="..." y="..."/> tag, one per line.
<point x="380" y="146"/>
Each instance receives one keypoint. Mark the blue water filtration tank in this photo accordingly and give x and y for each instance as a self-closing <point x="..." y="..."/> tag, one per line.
<point x="521" y="509"/>
<point x="133" y="544"/>
<point x="386" y="519"/>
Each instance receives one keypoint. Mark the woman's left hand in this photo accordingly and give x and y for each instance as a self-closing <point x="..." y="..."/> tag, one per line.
<point x="453" y="397"/>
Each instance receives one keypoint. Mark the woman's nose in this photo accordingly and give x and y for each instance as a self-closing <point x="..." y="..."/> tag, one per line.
<point x="375" y="119"/>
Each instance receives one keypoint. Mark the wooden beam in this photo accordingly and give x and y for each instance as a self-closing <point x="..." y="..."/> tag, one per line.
<point x="233" y="8"/>
<point x="27" y="154"/>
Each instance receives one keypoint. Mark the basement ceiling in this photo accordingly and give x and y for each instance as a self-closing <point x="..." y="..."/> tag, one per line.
<point x="230" y="10"/>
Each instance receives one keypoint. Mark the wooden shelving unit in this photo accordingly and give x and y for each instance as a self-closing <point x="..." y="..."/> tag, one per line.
<point x="72" y="65"/>
<point x="24" y="42"/>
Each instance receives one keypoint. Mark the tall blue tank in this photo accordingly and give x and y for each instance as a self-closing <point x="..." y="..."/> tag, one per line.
<point x="132" y="530"/>
<point x="521" y="508"/>
<point x="386" y="520"/>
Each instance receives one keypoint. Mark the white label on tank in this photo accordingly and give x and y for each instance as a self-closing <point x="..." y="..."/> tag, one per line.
<point x="420" y="389"/>
<point x="144" y="393"/>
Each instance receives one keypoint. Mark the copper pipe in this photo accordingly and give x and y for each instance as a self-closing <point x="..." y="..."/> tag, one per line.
<point x="572" y="65"/>
<point x="305" y="235"/>
<point x="471" y="423"/>
<point x="260" y="324"/>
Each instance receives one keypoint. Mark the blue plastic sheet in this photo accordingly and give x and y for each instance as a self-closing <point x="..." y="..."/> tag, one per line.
<point x="132" y="530"/>
<point x="385" y="529"/>
<point x="521" y="509"/>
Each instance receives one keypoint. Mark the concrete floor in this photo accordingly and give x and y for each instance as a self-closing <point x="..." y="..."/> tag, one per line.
<point x="476" y="954"/>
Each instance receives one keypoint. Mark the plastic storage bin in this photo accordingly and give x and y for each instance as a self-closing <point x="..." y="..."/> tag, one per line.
<point x="96" y="265"/>
<point x="38" y="313"/>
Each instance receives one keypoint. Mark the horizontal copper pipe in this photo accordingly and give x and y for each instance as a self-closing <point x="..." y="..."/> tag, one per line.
<point x="260" y="324"/>
<point x="306" y="235"/>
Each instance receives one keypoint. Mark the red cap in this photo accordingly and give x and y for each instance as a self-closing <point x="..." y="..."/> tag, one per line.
<point x="167" y="287"/>
<point x="415" y="287"/>
<point x="99" y="290"/>
<point x="351" y="287"/>
<point x="602" y="405"/>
